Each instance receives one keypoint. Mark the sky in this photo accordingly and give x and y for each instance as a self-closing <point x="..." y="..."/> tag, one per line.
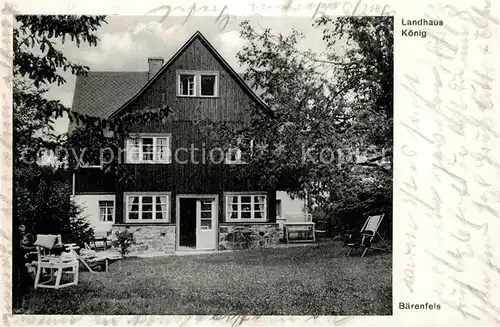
<point x="127" y="41"/>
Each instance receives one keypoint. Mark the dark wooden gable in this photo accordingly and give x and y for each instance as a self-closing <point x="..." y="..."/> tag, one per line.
<point x="233" y="103"/>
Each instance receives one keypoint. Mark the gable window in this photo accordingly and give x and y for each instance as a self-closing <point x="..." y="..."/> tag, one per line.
<point x="246" y="207"/>
<point x="187" y="85"/>
<point x="149" y="149"/>
<point x="106" y="211"/>
<point x="208" y="84"/>
<point x="147" y="207"/>
<point x="197" y="83"/>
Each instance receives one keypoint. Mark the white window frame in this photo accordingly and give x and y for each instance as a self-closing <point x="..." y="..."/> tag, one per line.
<point x="237" y="160"/>
<point x="128" y="154"/>
<point x="197" y="83"/>
<point x="99" y="202"/>
<point x="154" y="220"/>
<point x="87" y="165"/>
<point x="228" y="209"/>
<point x="179" y="84"/>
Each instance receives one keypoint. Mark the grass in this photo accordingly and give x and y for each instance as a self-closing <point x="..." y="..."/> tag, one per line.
<point x="317" y="280"/>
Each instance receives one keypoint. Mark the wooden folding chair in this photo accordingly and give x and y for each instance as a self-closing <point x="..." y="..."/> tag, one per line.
<point x="368" y="233"/>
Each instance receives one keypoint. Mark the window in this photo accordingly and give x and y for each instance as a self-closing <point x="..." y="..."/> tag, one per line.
<point x="246" y="207"/>
<point x="147" y="207"/>
<point x="106" y="210"/>
<point x="197" y="83"/>
<point x="208" y="83"/>
<point x="233" y="156"/>
<point x="187" y="85"/>
<point x="149" y="149"/>
<point x="206" y="213"/>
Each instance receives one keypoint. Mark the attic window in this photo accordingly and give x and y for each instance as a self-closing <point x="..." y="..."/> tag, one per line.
<point x="187" y="85"/>
<point x="208" y="84"/>
<point x="197" y="83"/>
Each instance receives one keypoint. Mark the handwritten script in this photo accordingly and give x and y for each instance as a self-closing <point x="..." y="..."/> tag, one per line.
<point x="454" y="128"/>
<point x="316" y="9"/>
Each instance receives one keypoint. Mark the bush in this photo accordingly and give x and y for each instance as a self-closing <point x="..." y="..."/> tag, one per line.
<point x="42" y="203"/>
<point x="124" y="240"/>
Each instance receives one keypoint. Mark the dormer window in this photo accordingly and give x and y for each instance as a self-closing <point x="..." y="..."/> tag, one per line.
<point x="197" y="83"/>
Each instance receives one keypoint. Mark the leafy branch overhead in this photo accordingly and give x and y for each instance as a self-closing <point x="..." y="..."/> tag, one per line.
<point x="331" y="132"/>
<point x="38" y="62"/>
<point x="36" y="38"/>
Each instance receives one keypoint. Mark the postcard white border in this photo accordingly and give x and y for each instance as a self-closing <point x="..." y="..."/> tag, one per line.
<point x="442" y="249"/>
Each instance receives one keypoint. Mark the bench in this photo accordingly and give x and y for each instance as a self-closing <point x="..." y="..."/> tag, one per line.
<point x="301" y="226"/>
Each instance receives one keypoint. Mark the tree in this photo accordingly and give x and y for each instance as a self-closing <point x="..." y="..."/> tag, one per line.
<point x="39" y="198"/>
<point x="38" y="62"/>
<point x="331" y="129"/>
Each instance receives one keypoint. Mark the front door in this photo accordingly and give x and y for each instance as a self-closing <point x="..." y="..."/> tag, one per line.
<point x="206" y="213"/>
<point x="187" y="222"/>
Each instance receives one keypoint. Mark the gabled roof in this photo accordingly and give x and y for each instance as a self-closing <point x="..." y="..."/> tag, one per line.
<point x="102" y="93"/>
<point x="216" y="54"/>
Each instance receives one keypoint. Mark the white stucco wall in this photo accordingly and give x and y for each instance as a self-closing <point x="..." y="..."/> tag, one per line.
<point x="289" y="205"/>
<point x="90" y="205"/>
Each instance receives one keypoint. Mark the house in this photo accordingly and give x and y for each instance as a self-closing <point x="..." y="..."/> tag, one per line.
<point x="177" y="203"/>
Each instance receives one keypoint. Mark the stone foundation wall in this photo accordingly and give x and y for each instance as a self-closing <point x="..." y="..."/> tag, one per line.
<point x="150" y="239"/>
<point x="248" y="236"/>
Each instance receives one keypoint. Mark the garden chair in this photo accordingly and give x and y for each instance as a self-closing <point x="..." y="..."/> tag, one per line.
<point x="366" y="235"/>
<point x="56" y="258"/>
<point x="94" y="258"/>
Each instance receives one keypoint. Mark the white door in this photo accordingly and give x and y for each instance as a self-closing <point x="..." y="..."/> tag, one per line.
<point x="206" y="224"/>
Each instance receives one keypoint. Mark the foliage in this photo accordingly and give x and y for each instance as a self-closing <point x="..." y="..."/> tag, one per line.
<point x="40" y="32"/>
<point x="77" y="229"/>
<point x="370" y="65"/>
<point x="43" y="205"/>
<point x="330" y="133"/>
<point x="38" y="62"/>
<point x="124" y="240"/>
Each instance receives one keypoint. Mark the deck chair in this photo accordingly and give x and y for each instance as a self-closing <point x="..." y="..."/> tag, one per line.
<point x="367" y="234"/>
<point x="56" y="258"/>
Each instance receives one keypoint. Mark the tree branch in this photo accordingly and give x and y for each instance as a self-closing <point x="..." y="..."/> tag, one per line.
<point x="374" y="165"/>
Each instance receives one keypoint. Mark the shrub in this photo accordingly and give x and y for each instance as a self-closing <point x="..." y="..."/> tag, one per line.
<point x="124" y="240"/>
<point x="42" y="203"/>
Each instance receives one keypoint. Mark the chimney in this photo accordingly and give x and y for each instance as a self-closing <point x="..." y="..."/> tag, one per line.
<point x="155" y="64"/>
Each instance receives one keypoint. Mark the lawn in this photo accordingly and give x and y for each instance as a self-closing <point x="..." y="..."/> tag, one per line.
<point x="317" y="280"/>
